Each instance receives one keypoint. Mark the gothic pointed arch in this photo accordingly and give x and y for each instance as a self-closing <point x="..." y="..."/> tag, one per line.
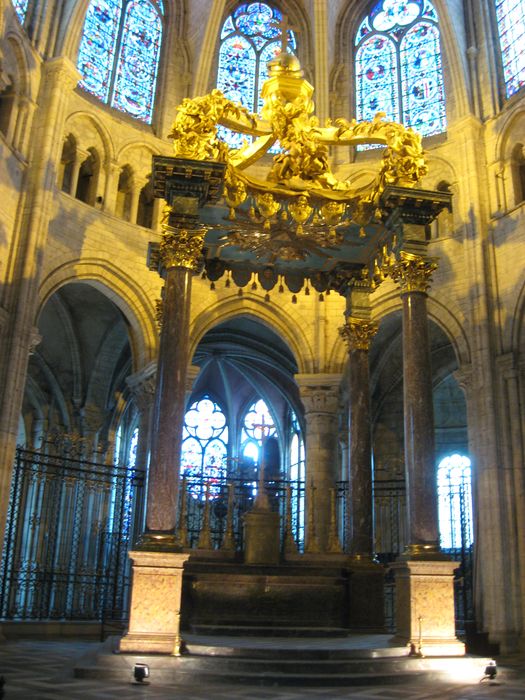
<point x="249" y="38"/>
<point x="119" y="53"/>
<point x="398" y="67"/>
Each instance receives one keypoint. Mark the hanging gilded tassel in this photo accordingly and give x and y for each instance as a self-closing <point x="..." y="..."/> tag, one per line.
<point x="294" y="299"/>
<point x="266" y="297"/>
<point x="321" y="297"/>
<point x="254" y="284"/>
<point x="203" y="275"/>
<point x="281" y="288"/>
<point x="212" y="286"/>
<point x="307" y="290"/>
<point x="239" y="293"/>
<point x="228" y="281"/>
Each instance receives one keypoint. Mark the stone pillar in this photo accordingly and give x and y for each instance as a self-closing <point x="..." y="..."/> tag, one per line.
<point x="157" y="560"/>
<point x="59" y="77"/>
<point x="358" y="332"/>
<point x="179" y="255"/>
<point x="413" y="273"/>
<point x="424" y="576"/>
<point x="366" y="586"/>
<point x="320" y="397"/>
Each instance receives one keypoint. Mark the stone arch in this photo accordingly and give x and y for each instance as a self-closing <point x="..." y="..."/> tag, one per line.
<point x="511" y="130"/>
<point x="89" y="131"/>
<point x="120" y="288"/>
<point x="516" y="341"/>
<point x="446" y="316"/>
<point x="276" y="319"/>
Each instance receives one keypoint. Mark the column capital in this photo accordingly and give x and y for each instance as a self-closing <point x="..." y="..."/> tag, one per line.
<point x="63" y="71"/>
<point x="319" y="392"/>
<point x="413" y="273"/>
<point x="178" y="248"/>
<point x="142" y="385"/>
<point x="358" y="333"/>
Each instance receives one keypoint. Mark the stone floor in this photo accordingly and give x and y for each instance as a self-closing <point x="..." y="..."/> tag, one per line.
<point x="43" y="670"/>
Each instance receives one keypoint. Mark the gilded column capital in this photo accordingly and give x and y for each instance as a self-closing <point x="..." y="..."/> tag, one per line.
<point x="358" y="333"/>
<point x="413" y="273"/>
<point x="181" y="247"/>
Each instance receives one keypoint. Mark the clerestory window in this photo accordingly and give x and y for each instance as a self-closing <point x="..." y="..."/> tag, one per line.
<point x="250" y="37"/>
<point x="510" y="17"/>
<point x="398" y="66"/>
<point x="119" y="54"/>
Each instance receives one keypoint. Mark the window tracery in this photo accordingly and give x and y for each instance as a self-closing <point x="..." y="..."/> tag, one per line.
<point x="119" y="54"/>
<point x="204" y="448"/>
<point x="398" y="65"/>
<point x="250" y="37"/>
<point x="510" y="17"/>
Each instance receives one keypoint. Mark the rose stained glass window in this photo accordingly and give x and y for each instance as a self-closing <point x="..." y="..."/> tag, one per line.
<point x="510" y="16"/>
<point x="204" y="448"/>
<point x="398" y="66"/>
<point x="20" y="9"/>
<point x="250" y="37"/>
<point x="119" y="54"/>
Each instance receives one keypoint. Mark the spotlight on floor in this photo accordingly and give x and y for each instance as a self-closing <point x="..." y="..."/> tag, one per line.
<point x="140" y="673"/>
<point x="491" y="670"/>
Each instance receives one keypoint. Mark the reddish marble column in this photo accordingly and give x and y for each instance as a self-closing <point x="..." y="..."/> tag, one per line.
<point x="358" y="334"/>
<point x="413" y="273"/>
<point x="179" y="253"/>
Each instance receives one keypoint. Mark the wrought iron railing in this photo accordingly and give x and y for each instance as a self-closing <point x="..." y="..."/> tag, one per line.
<point x="69" y="526"/>
<point x="71" y="523"/>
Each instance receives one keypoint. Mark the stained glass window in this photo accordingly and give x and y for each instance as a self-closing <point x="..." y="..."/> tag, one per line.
<point x="257" y="423"/>
<point x="455" y="502"/>
<point x="204" y="448"/>
<point x="250" y="37"/>
<point x="119" y="54"/>
<point x="510" y="15"/>
<point x="20" y="9"/>
<point x="398" y="65"/>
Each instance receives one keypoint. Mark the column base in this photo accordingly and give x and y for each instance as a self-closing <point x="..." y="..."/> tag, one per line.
<point x="425" y="617"/>
<point x="156" y="592"/>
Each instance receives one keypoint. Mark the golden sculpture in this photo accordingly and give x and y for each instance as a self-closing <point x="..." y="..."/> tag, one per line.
<point x="301" y="205"/>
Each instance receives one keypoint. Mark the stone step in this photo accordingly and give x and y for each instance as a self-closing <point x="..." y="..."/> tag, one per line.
<point x="263" y="662"/>
<point x="267" y="631"/>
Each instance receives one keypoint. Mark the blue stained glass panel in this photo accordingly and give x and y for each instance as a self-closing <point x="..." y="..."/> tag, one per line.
<point x="20" y="9"/>
<point x="204" y="448"/>
<point x="138" y="60"/>
<point x="377" y="79"/>
<point x="97" y="47"/>
<point x="510" y="16"/>
<point x="422" y="82"/>
<point x="398" y="65"/>
<point x="237" y="70"/>
<point x="257" y="18"/>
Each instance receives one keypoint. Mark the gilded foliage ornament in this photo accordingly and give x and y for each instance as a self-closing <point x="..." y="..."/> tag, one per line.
<point x="358" y="333"/>
<point x="413" y="273"/>
<point x="181" y="247"/>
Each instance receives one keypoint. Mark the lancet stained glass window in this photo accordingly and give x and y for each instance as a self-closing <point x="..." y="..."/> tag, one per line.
<point x="510" y="15"/>
<point x="20" y="9"/>
<point x="455" y="502"/>
<point x="250" y="37"/>
<point x="398" y="65"/>
<point x="119" y="54"/>
<point x="204" y="448"/>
